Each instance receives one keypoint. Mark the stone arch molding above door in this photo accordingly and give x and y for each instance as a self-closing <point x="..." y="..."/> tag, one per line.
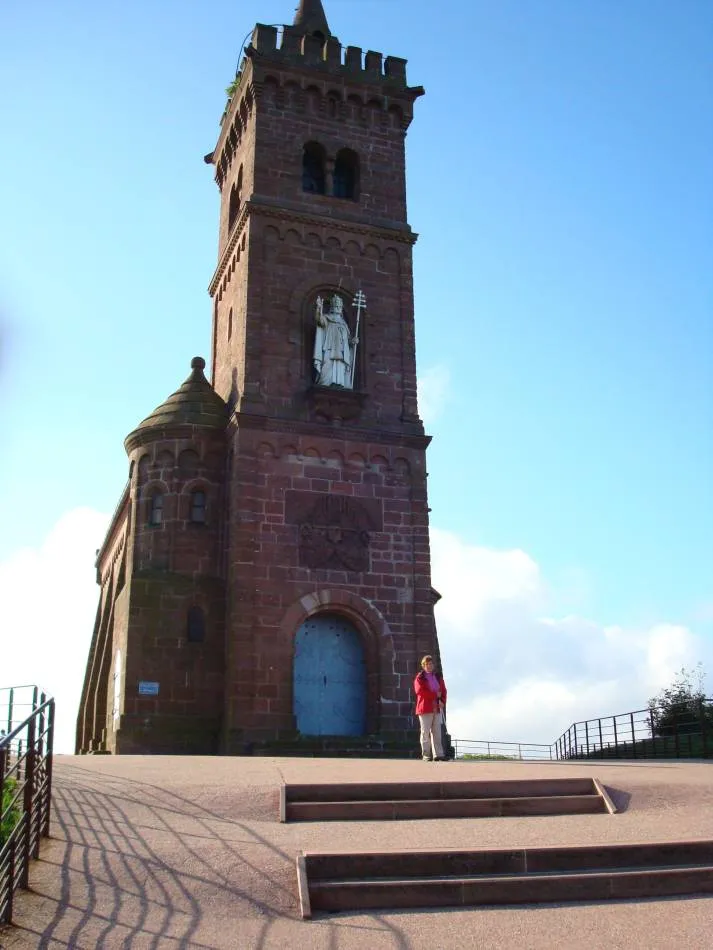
<point x="373" y="630"/>
<point x="368" y="618"/>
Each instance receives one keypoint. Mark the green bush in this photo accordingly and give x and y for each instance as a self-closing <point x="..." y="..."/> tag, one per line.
<point x="681" y="708"/>
<point x="9" y="813"/>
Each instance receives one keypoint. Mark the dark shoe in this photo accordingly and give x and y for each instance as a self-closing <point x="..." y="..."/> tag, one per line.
<point x="440" y="758"/>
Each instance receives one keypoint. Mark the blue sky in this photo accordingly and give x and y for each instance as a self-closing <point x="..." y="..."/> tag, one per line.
<point x="559" y="176"/>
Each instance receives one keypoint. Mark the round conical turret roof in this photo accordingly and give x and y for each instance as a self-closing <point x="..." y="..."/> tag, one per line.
<point x="195" y="403"/>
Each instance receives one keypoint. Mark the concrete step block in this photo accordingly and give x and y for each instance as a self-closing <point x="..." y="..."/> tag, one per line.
<point x="362" y="810"/>
<point x="380" y="880"/>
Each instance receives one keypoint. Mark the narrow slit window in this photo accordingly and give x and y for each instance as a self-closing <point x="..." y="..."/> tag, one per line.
<point x="236" y="199"/>
<point x="156" y="509"/>
<point x="346" y="174"/>
<point x="198" y="507"/>
<point x="195" y="625"/>
<point x="314" y="161"/>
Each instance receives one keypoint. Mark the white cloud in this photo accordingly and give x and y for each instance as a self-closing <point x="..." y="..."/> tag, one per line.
<point x="49" y="596"/>
<point x="433" y="391"/>
<point x="516" y="674"/>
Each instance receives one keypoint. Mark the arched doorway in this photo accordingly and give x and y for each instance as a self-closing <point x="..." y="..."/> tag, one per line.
<point x="329" y="678"/>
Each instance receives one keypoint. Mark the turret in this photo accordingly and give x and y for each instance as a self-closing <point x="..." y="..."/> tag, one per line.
<point x="177" y="457"/>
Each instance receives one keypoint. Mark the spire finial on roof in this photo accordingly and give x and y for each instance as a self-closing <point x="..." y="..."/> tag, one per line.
<point x="310" y="18"/>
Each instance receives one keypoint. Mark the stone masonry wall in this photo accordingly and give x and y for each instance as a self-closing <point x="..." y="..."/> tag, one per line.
<point x="272" y="589"/>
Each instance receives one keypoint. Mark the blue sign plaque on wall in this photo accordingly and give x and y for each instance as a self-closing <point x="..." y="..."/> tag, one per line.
<point x="148" y="689"/>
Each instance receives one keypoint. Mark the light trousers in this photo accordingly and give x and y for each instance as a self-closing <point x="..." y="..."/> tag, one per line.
<point x="431" y="746"/>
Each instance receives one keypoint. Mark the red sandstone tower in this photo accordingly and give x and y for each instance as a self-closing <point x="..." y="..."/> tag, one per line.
<point x="266" y="579"/>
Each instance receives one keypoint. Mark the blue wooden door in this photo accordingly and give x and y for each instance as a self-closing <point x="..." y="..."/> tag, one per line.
<point x="329" y="678"/>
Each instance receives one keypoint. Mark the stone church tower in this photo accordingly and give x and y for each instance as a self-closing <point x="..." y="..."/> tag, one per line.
<point x="265" y="582"/>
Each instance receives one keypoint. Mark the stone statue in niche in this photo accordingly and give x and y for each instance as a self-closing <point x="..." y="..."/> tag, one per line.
<point x="335" y="347"/>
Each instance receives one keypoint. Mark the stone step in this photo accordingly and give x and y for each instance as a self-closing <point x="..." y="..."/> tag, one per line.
<point x="329" y="753"/>
<point x="384" y="801"/>
<point x="337" y="747"/>
<point x="381" y="880"/>
<point x="445" y="808"/>
<point x="439" y="788"/>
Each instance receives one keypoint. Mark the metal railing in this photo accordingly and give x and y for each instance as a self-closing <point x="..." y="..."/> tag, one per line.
<point x="680" y="730"/>
<point x="677" y="730"/>
<point x="26" y="736"/>
<point x="488" y="749"/>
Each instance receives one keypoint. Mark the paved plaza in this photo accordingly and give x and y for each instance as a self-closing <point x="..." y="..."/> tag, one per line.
<point x="175" y="852"/>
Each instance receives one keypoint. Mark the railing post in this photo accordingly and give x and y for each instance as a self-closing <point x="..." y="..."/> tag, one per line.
<point x="601" y="737"/>
<point x="3" y="769"/>
<point x="574" y="726"/>
<point x="704" y="728"/>
<point x="633" y="736"/>
<point x="29" y="795"/>
<point x="586" y="735"/>
<point x="11" y="882"/>
<point x="9" y="710"/>
<point x="616" y="739"/>
<point x="48" y="770"/>
<point x="652" y="726"/>
<point x="41" y="730"/>
<point x="676" y="739"/>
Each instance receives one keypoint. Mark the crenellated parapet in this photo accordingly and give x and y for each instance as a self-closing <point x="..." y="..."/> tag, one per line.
<point x="353" y="83"/>
<point x="292" y="47"/>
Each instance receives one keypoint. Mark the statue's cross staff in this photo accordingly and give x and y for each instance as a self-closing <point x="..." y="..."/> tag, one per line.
<point x="360" y="303"/>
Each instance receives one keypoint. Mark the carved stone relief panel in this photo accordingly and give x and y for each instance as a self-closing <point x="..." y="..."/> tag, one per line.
<point x="334" y="530"/>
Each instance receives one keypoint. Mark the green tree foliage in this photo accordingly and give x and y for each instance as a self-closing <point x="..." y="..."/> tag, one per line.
<point x="682" y="707"/>
<point x="9" y="811"/>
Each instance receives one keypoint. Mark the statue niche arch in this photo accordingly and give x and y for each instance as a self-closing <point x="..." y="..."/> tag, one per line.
<point x="333" y="339"/>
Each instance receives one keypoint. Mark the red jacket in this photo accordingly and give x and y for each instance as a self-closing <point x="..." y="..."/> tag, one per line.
<point x="426" y="699"/>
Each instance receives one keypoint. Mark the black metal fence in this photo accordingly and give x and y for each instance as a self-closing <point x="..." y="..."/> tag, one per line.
<point x="487" y="749"/>
<point x="678" y="730"/>
<point x="26" y="736"/>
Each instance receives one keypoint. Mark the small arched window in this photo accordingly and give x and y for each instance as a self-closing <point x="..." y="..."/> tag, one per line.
<point x="314" y="160"/>
<point x="195" y="625"/>
<point x="236" y="199"/>
<point x="198" y="507"/>
<point x="346" y="174"/>
<point x="156" y="509"/>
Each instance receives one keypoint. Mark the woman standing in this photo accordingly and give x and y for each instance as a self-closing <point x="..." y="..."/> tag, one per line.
<point x="430" y="689"/>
